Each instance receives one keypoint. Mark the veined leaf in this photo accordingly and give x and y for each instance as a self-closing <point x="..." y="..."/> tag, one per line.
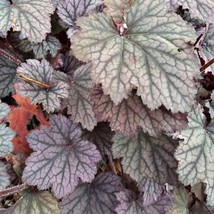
<point x="198" y="8"/>
<point x="4" y="176"/>
<point x="195" y="153"/>
<point x="35" y="203"/>
<point x="130" y="205"/>
<point x="131" y="113"/>
<point x="69" y="11"/>
<point x="61" y="157"/>
<point x="30" y="17"/>
<point x="146" y="156"/>
<point x="95" y="198"/>
<point x="40" y="86"/>
<point x="7" y="76"/>
<point x="50" y="45"/>
<point x="143" y="52"/>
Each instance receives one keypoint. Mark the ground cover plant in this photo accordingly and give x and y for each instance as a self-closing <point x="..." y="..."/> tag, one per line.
<point x="107" y="107"/>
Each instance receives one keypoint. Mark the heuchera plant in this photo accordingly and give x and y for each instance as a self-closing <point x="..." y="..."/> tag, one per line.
<point x="107" y="107"/>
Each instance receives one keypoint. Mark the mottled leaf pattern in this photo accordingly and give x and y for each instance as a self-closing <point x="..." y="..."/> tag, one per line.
<point x="7" y="76"/>
<point x="61" y="157"/>
<point x="131" y="113"/>
<point x="79" y="99"/>
<point x="95" y="198"/>
<point x="6" y="133"/>
<point x="4" y="176"/>
<point x="146" y="156"/>
<point x="50" y="45"/>
<point x="151" y="190"/>
<point x="36" y="203"/>
<point x="31" y="17"/>
<point x="69" y="11"/>
<point x="37" y="93"/>
<point x="145" y="55"/>
<point x="195" y="153"/>
<point x="101" y="136"/>
<point x="181" y="199"/>
<point x="130" y="205"/>
<point x="198" y="8"/>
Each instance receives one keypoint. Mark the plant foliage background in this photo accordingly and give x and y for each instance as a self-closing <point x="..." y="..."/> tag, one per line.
<point x="107" y="107"/>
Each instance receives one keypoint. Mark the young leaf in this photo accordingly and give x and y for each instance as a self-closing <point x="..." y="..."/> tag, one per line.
<point x="19" y="118"/>
<point x="199" y="8"/>
<point x="151" y="190"/>
<point x="79" y="99"/>
<point x="181" y="200"/>
<point x="50" y="45"/>
<point x="42" y="86"/>
<point x="131" y="113"/>
<point x="4" y="176"/>
<point x="194" y="153"/>
<point x="129" y="205"/>
<point x="6" y="134"/>
<point x="31" y="17"/>
<point x="36" y="203"/>
<point x="61" y="157"/>
<point x="144" y="55"/>
<point x="101" y="136"/>
<point x="69" y="11"/>
<point x="7" y="76"/>
<point x="146" y="156"/>
<point x="95" y="198"/>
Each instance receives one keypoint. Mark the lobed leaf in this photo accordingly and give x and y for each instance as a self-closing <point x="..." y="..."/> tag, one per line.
<point x="50" y="45"/>
<point x="145" y="54"/>
<point x="4" y="176"/>
<point x="7" y="76"/>
<point x="43" y="73"/>
<point x="199" y="8"/>
<point x="131" y="113"/>
<point x="129" y="205"/>
<point x="194" y="153"/>
<point x="95" y="198"/>
<point x="101" y="136"/>
<point x="146" y="156"/>
<point x="60" y="157"/>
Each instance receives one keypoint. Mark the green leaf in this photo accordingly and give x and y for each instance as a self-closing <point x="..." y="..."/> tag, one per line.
<point x="144" y="55"/>
<point x="31" y="17"/>
<point x="146" y="156"/>
<point x="7" y="76"/>
<point x="50" y="45"/>
<point x="4" y="176"/>
<point x="195" y="153"/>
<point x="43" y="73"/>
<point x="36" y="203"/>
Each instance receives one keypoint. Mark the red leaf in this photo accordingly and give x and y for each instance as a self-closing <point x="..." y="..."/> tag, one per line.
<point x="19" y="118"/>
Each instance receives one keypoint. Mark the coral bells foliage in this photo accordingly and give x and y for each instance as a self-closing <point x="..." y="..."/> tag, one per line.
<point x="107" y="106"/>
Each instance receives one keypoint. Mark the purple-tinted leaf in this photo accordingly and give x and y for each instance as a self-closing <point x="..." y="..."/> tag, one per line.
<point x="49" y="91"/>
<point x="69" y="11"/>
<point x="35" y="203"/>
<point x="101" y="136"/>
<point x="131" y="113"/>
<point x="151" y="190"/>
<point x="95" y="198"/>
<point x="60" y="157"/>
<point x="50" y="45"/>
<point x="31" y="17"/>
<point x="7" y="76"/>
<point x="146" y="156"/>
<point x="198" y="8"/>
<point x="130" y="205"/>
<point x="79" y="99"/>
<point x="4" y="176"/>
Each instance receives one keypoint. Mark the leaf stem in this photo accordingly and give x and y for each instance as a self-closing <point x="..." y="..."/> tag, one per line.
<point x="10" y="57"/>
<point x="207" y="65"/>
<point x="13" y="190"/>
